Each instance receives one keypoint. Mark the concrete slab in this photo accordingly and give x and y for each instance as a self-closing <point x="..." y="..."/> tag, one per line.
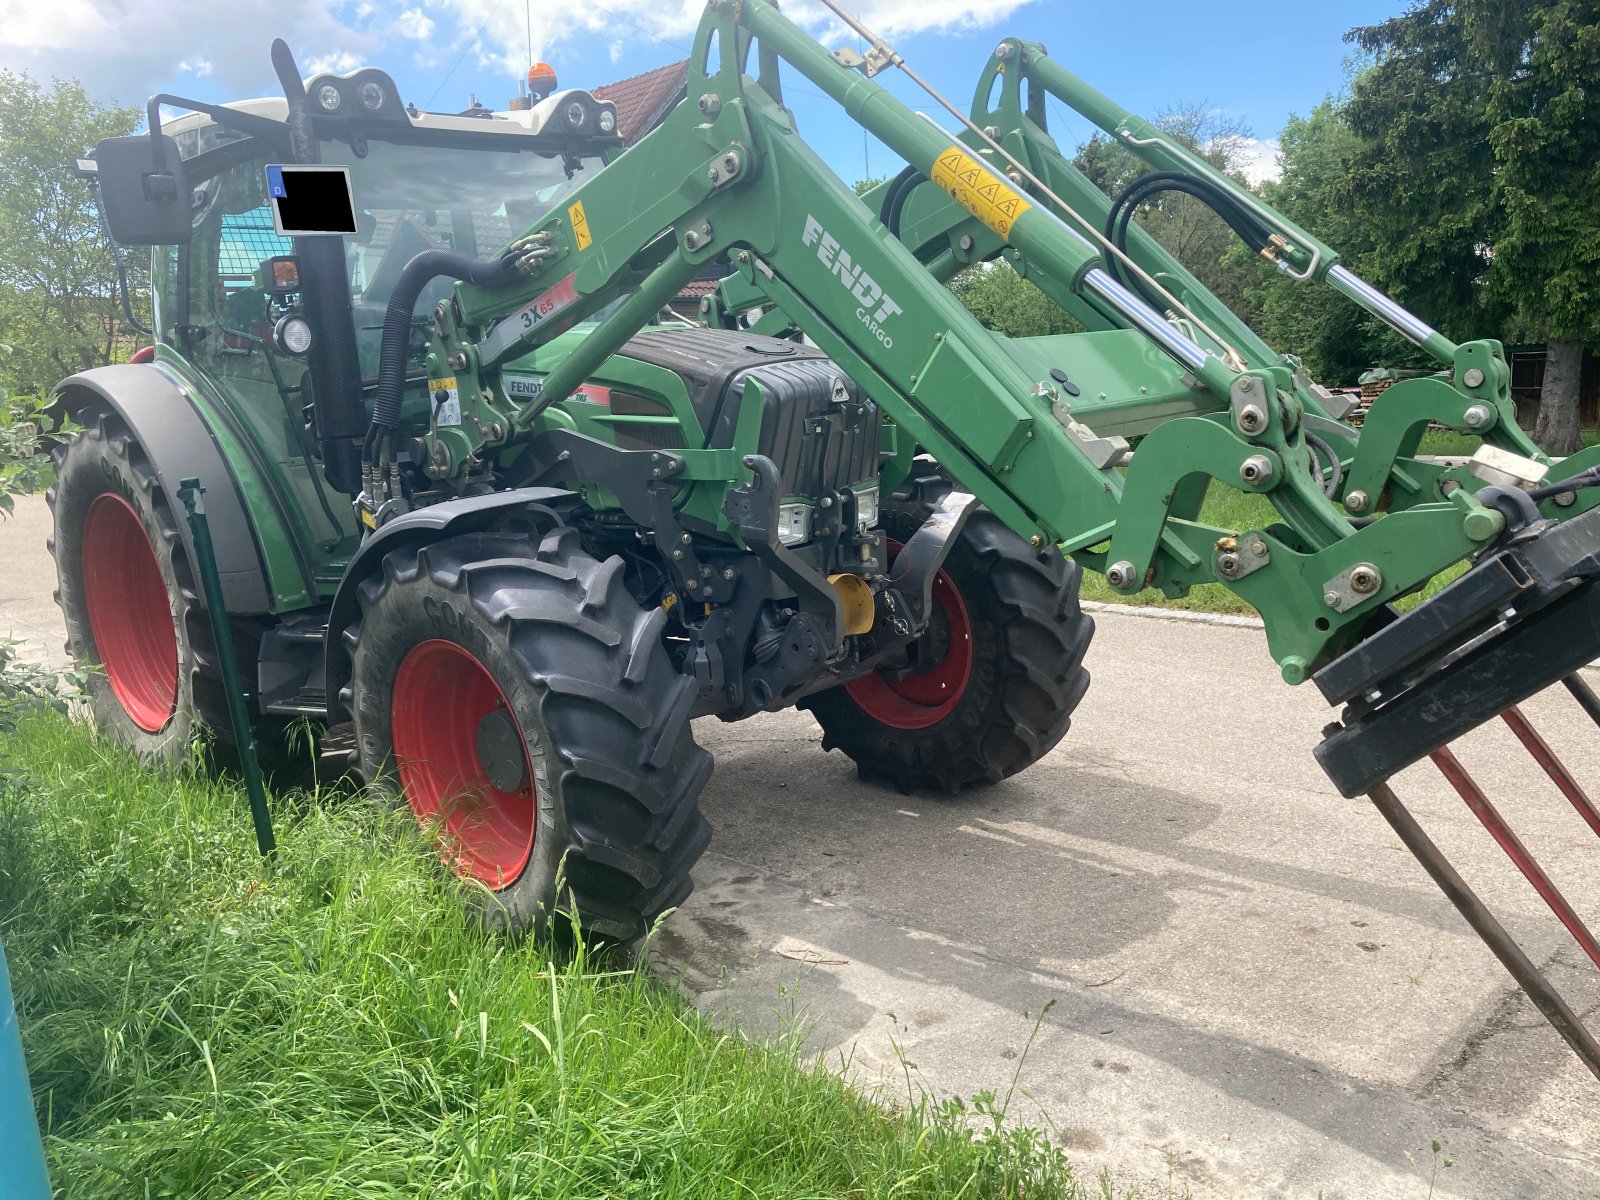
<point x="1257" y="992"/>
<point x="28" y="580"/>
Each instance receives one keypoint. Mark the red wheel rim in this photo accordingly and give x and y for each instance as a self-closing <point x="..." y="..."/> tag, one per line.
<point x="442" y="696"/>
<point x="930" y="696"/>
<point x="130" y="614"/>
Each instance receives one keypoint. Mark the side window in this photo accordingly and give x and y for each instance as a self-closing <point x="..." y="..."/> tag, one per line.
<point x="233" y="236"/>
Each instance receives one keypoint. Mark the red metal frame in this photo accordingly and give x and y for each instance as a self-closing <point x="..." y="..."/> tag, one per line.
<point x="928" y="697"/>
<point x="441" y="694"/>
<point x="130" y="612"/>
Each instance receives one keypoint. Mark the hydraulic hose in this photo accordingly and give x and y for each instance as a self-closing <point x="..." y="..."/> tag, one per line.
<point x="1518" y="508"/>
<point x="417" y="274"/>
<point x="1330" y="485"/>
<point x="1245" y="224"/>
<point x="894" y="201"/>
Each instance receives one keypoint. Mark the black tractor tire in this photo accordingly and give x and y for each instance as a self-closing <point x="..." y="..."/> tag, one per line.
<point x="608" y="784"/>
<point x="1025" y="674"/>
<point x="162" y="691"/>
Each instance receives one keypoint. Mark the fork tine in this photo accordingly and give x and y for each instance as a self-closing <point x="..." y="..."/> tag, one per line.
<point x="1553" y="766"/>
<point x="1486" y="813"/>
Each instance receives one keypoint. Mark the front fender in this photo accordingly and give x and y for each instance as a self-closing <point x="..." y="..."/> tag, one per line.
<point x="176" y="439"/>
<point x="411" y="531"/>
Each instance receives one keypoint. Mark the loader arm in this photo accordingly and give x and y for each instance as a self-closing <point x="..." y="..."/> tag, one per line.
<point x="1102" y="443"/>
<point x="726" y="176"/>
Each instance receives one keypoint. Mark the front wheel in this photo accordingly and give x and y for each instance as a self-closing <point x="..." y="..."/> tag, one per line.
<point x="523" y="704"/>
<point x="991" y="685"/>
<point x="132" y="609"/>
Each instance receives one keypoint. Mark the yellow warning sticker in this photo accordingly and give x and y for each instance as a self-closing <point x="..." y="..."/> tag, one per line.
<point x="580" y="225"/>
<point x="979" y="190"/>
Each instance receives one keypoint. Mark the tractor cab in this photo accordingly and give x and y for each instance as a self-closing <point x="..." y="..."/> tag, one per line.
<point x="272" y="308"/>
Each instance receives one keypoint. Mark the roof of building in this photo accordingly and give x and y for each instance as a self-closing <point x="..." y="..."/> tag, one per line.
<point x="642" y="100"/>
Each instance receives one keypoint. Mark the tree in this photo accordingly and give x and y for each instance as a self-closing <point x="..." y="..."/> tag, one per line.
<point x="1543" y="111"/>
<point x="1008" y="304"/>
<point x="1335" y="340"/>
<point x="1477" y="178"/>
<point x="57" y="277"/>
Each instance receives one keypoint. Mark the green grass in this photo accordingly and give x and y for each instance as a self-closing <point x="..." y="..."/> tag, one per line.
<point x="198" y="1026"/>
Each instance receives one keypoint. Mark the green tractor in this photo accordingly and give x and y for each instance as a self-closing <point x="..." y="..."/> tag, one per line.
<point x="486" y="513"/>
<point x="508" y="645"/>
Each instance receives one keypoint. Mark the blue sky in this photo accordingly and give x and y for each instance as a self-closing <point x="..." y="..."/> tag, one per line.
<point x="1249" y="59"/>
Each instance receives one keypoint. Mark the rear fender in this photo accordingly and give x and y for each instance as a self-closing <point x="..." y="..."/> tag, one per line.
<point x="178" y="443"/>
<point x="410" y="532"/>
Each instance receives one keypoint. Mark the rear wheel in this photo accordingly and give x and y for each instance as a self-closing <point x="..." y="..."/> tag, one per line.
<point x="525" y="707"/>
<point x="132" y="608"/>
<point x="991" y="685"/>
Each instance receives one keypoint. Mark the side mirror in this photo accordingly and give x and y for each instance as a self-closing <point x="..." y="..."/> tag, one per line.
<point x="145" y="204"/>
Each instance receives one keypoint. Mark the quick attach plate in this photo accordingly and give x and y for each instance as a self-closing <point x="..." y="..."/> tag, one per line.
<point x="1525" y="617"/>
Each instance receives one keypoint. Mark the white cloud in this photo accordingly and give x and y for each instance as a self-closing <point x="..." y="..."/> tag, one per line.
<point x="340" y="62"/>
<point x="669" y="25"/>
<point x="1258" y="159"/>
<point x="897" y="18"/>
<point x="127" y="50"/>
<point x="414" y="23"/>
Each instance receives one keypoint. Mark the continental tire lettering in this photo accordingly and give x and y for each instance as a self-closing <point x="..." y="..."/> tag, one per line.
<point x="979" y="190"/>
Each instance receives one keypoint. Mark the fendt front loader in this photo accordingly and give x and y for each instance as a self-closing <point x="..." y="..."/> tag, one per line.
<point x="483" y="510"/>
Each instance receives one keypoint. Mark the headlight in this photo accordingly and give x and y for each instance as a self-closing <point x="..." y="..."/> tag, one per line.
<point x="371" y="96"/>
<point x="866" y="508"/>
<point x="608" y="121"/>
<point x="292" y="334"/>
<point x="329" y="98"/>
<point x="576" y="114"/>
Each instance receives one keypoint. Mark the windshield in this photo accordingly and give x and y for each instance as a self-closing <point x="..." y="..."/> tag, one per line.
<point x="415" y="198"/>
<point x="408" y="198"/>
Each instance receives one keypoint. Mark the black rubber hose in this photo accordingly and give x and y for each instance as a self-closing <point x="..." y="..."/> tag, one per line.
<point x="1246" y="225"/>
<point x="1242" y="222"/>
<point x="1318" y="446"/>
<point x="900" y="190"/>
<point x="418" y="273"/>
<point x="1514" y="504"/>
<point x="1573" y="483"/>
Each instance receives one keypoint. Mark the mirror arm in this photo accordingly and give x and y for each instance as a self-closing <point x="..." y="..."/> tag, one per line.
<point x="275" y="133"/>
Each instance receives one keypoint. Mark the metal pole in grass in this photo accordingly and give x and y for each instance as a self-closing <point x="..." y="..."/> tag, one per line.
<point x="244" y="734"/>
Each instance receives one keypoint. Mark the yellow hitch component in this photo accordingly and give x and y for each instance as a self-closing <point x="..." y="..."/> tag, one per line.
<point x="860" y="610"/>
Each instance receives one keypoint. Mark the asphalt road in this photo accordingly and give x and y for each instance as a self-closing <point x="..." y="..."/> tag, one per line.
<point x="1257" y="991"/>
